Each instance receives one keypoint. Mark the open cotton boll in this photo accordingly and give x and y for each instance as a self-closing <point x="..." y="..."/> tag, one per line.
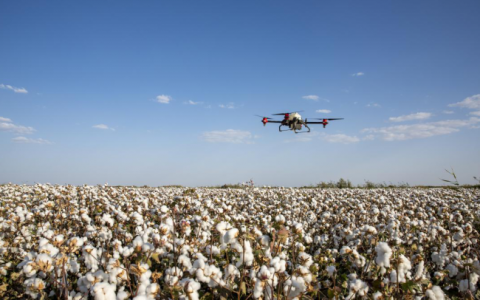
<point x="231" y="272"/>
<point x="104" y="291"/>
<point x="440" y="257"/>
<point x="357" y="287"/>
<point x="34" y="286"/>
<point x="122" y="294"/>
<point x="435" y="293"/>
<point x="280" y="219"/>
<point x="345" y="250"/>
<point x="279" y="264"/>
<point x="190" y="287"/>
<point x="404" y="266"/>
<point x="222" y="227"/>
<point x="419" y="270"/>
<point x="231" y="235"/>
<point x="305" y="259"/>
<point x="331" y="270"/>
<point x="452" y="270"/>
<point x="44" y="262"/>
<point x="384" y="252"/>
<point x="296" y="286"/>
<point x="185" y="261"/>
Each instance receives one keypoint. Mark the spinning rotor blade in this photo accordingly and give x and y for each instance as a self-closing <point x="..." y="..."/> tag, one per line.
<point x="281" y="114"/>
<point x="331" y="119"/>
<point x="264" y="117"/>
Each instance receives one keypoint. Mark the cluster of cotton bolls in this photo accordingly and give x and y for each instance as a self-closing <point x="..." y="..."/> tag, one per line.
<point x="109" y="243"/>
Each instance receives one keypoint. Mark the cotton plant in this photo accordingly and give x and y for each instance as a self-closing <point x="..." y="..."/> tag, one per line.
<point x="102" y="242"/>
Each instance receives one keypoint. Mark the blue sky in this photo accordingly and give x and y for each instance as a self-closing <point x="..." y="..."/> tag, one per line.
<point x="165" y="92"/>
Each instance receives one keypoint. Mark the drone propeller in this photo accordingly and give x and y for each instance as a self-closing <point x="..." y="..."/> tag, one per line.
<point x="264" y="117"/>
<point x="331" y="119"/>
<point x="281" y="114"/>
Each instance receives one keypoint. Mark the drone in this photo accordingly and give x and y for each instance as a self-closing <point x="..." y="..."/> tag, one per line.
<point x="294" y="121"/>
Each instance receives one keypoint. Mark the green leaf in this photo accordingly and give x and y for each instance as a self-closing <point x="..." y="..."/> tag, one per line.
<point x="330" y="293"/>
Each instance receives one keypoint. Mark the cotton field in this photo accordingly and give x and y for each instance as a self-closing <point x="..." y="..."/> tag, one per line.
<point x="106" y="243"/>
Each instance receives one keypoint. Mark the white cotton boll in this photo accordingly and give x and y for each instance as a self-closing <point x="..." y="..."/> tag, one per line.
<point x="345" y="250"/>
<point x="231" y="235"/>
<point x="190" y="287"/>
<point x="90" y="257"/>
<point x="172" y="275"/>
<point x="104" y="291"/>
<point x="298" y="228"/>
<point x="476" y="267"/>
<point x="463" y="286"/>
<point x="127" y="251"/>
<point x="435" y="293"/>
<point x="107" y="219"/>
<point x="231" y="272"/>
<point x="264" y="240"/>
<point x="222" y="227"/>
<point x="44" y="262"/>
<point x="212" y="250"/>
<point x="258" y="289"/>
<point x="246" y="255"/>
<point x="280" y="219"/>
<point x="330" y="270"/>
<point x="278" y="264"/>
<point x="440" y="257"/>
<point x="308" y="239"/>
<point x="305" y="259"/>
<point x="185" y="261"/>
<point x="377" y="296"/>
<point x="164" y="209"/>
<point x="147" y="247"/>
<point x="452" y="270"/>
<point x="419" y="270"/>
<point x="473" y="281"/>
<point x="29" y="270"/>
<point x="122" y="294"/>
<point x="152" y="290"/>
<point x="296" y="285"/>
<point x="357" y="286"/>
<point x="33" y="286"/>
<point x="384" y="252"/>
<point x="137" y="243"/>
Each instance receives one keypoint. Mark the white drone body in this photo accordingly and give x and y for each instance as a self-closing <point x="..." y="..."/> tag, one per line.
<point x="293" y="116"/>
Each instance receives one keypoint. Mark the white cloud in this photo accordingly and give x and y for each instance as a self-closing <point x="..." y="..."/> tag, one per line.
<point x="323" y="111"/>
<point x="103" y="127"/>
<point x="165" y="99"/>
<point x="24" y="140"/>
<point x="475" y="113"/>
<point x="418" y="131"/>
<point x="329" y="138"/>
<point x="230" y="105"/>
<point x="311" y="97"/>
<point x="358" y="74"/>
<point x="2" y="119"/>
<point x="301" y="138"/>
<point x="14" y="89"/>
<point x="372" y="104"/>
<point x="10" y="127"/>
<point x="410" y="117"/>
<point x="228" y="136"/>
<point x="193" y="102"/>
<point x="339" y="138"/>
<point x="472" y="102"/>
<point x="448" y="112"/>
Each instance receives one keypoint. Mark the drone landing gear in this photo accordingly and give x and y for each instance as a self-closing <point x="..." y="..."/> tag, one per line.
<point x="294" y="130"/>
<point x="303" y="131"/>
